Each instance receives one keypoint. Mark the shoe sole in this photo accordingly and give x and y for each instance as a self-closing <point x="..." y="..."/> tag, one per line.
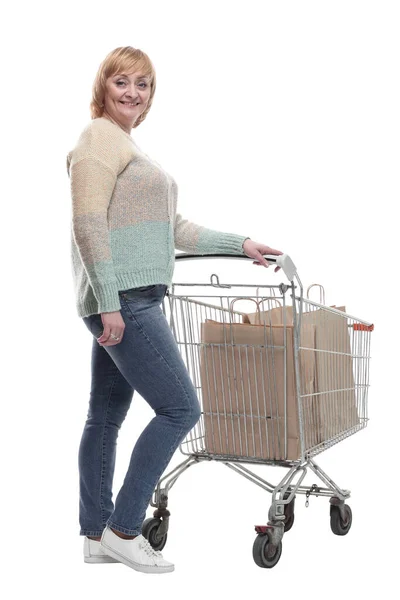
<point x="133" y="565"/>
<point x="100" y="559"/>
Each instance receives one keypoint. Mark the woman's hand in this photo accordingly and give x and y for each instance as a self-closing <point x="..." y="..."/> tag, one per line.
<point x="113" y="324"/>
<point x="256" y="250"/>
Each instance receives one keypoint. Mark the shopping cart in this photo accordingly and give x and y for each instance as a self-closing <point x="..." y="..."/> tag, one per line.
<point x="278" y="383"/>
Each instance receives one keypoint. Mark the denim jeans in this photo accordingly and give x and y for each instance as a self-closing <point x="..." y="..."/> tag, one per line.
<point x="147" y="360"/>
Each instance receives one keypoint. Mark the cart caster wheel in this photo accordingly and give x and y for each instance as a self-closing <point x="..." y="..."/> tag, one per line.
<point x="264" y="555"/>
<point x="149" y="531"/>
<point x="289" y="514"/>
<point x="338" y="526"/>
<point x="289" y="522"/>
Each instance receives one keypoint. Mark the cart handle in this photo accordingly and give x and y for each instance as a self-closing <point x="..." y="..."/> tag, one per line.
<point x="281" y="260"/>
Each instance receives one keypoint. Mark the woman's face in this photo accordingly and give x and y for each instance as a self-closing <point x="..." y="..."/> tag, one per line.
<point x="126" y="97"/>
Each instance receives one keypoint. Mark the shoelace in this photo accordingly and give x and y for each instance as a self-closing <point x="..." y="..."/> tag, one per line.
<point x="148" y="548"/>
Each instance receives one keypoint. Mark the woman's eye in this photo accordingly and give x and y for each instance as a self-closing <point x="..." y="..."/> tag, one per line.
<point x="143" y="83"/>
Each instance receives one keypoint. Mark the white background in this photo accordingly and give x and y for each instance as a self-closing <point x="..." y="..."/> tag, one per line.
<point x="279" y="121"/>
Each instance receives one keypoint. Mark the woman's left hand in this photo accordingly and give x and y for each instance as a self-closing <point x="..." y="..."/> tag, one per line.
<point x="256" y="250"/>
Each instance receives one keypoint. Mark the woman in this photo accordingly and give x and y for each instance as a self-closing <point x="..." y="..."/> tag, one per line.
<point x="124" y="231"/>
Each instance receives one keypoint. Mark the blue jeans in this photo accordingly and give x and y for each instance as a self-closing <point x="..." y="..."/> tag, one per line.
<point x="147" y="360"/>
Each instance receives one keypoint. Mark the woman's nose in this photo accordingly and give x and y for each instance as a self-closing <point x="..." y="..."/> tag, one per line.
<point x="133" y="93"/>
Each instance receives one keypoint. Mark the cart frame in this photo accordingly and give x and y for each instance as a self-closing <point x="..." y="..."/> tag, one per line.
<point x="268" y="545"/>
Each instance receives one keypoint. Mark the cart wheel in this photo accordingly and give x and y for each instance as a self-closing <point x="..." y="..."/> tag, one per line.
<point x="264" y="554"/>
<point x="289" y="513"/>
<point x="289" y="522"/>
<point x="149" y="531"/>
<point x="338" y="526"/>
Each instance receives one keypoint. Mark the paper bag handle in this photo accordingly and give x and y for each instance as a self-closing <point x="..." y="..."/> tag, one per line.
<point x="321" y="292"/>
<point x="244" y="298"/>
<point x="258" y="302"/>
<point x="272" y="298"/>
<point x="269" y="299"/>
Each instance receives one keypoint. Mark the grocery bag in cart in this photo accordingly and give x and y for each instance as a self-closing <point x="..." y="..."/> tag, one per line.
<point x="248" y="388"/>
<point x="334" y="386"/>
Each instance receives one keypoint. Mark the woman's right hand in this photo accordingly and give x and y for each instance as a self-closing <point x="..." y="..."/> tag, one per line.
<point x="113" y="324"/>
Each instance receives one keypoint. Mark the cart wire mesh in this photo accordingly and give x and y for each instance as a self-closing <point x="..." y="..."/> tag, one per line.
<point x="279" y="378"/>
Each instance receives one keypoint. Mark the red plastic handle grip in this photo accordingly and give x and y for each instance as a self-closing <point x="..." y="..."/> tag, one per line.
<point x="361" y="327"/>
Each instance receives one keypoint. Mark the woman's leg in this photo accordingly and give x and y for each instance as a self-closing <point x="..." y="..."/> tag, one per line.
<point x="110" y="399"/>
<point x="149" y="359"/>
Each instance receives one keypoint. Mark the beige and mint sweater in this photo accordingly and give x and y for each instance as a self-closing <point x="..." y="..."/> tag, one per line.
<point x="125" y="226"/>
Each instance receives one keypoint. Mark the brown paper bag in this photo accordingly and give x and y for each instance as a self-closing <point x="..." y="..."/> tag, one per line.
<point x="243" y="383"/>
<point x="335" y="379"/>
<point x="336" y="402"/>
<point x="307" y="363"/>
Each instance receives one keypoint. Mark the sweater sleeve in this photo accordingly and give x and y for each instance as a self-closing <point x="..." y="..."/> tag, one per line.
<point x="196" y="239"/>
<point x="93" y="168"/>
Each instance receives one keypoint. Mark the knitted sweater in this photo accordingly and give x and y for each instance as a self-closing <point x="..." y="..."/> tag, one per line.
<point x="125" y="224"/>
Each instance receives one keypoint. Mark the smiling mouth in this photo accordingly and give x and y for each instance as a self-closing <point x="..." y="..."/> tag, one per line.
<point x="129" y="103"/>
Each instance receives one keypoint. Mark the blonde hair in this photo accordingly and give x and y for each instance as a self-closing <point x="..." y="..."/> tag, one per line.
<point x="125" y="59"/>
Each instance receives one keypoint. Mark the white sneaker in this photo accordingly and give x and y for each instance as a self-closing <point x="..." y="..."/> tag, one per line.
<point x="94" y="553"/>
<point x="137" y="553"/>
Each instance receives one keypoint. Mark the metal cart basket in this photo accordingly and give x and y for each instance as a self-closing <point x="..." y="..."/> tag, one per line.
<point x="280" y="379"/>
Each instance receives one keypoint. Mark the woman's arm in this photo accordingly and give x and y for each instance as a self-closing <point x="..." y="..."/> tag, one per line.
<point x="93" y="167"/>
<point x="196" y="239"/>
<point x="92" y="184"/>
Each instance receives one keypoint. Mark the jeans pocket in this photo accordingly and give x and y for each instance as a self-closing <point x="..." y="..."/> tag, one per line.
<point x="94" y="324"/>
